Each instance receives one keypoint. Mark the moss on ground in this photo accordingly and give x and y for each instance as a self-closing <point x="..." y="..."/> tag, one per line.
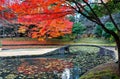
<point x="104" y="71"/>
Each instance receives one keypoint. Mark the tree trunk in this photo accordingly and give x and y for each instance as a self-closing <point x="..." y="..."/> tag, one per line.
<point x="117" y="40"/>
<point x="118" y="49"/>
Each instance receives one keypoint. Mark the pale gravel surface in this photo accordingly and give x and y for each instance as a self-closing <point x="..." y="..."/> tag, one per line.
<point x="23" y="52"/>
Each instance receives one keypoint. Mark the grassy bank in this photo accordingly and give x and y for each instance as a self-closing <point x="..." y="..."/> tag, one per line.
<point x="95" y="41"/>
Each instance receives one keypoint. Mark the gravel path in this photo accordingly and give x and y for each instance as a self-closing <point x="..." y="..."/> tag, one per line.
<point x="23" y="52"/>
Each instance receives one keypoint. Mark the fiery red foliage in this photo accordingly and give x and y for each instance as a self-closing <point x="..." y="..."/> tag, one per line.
<point x="49" y="16"/>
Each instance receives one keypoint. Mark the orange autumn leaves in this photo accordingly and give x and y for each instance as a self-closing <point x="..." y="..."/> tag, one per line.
<point x="1" y="5"/>
<point x="33" y="7"/>
<point x="53" y="28"/>
<point x="48" y="16"/>
<point x="48" y="29"/>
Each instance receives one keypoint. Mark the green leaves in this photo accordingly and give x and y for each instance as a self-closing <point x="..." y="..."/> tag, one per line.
<point x="101" y="33"/>
<point x="100" y="9"/>
<point x="78" y="28"/>
<point x="110" y="26"/>
<point x="98" y="31"/>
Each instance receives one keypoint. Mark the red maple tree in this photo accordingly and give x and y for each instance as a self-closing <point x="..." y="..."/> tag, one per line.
<point x="49" y="17"/>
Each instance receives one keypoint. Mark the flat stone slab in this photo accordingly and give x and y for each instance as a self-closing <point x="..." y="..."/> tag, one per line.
<point x="25" y="52"/>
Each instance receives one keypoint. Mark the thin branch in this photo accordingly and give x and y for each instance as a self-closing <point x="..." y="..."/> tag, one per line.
<point x="81" y="6"/>
<point x="96" y="16"/>
<point x="81" y="12"/>
<point x="111" y="18"/>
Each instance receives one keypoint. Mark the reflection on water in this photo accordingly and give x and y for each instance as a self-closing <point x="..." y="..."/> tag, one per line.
<point x="32" y="66"/>
<point x="66" y="74"/>
<point x="37" y="68"/>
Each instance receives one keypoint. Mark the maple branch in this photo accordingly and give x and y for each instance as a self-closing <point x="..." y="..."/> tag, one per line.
<point x="49" y="13"/>
<point x="94" y="14"/>
<point x="45" y="19"/>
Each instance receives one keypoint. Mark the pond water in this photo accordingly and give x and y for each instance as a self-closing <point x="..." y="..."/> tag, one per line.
<point x="33" y="68"/>
<point x="54" y="65"/>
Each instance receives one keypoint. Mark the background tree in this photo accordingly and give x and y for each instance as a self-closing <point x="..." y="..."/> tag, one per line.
<point x="99" y="32"/>
<point x="78" y="28"/>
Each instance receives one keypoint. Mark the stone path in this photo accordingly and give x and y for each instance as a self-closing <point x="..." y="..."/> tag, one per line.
<point x="24" y="52"/>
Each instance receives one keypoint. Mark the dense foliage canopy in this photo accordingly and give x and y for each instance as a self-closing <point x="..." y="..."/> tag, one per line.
<point x="49" y="17"/>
